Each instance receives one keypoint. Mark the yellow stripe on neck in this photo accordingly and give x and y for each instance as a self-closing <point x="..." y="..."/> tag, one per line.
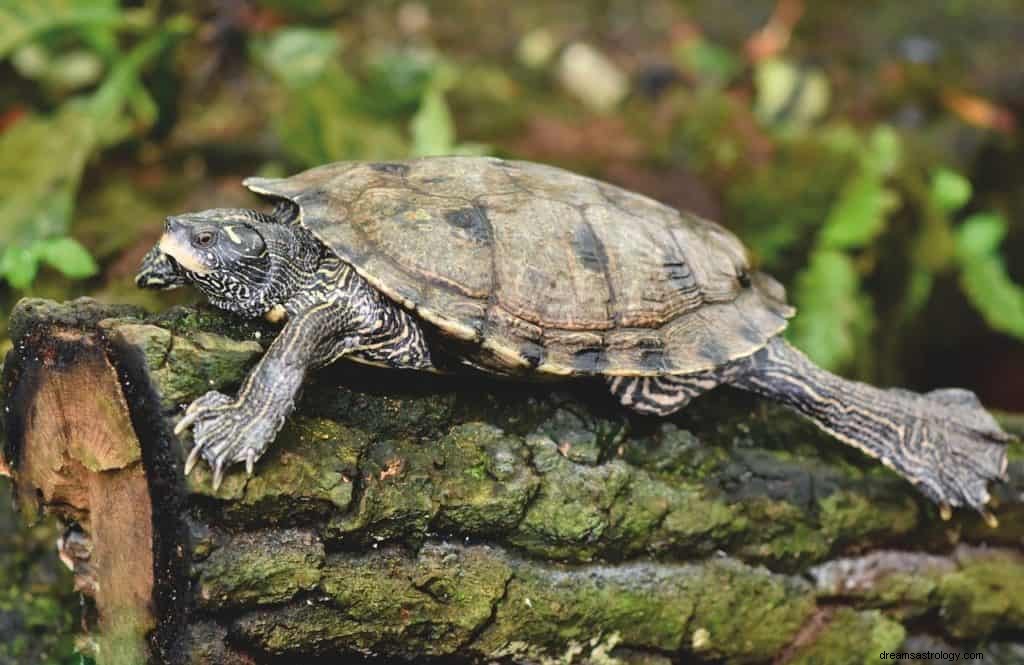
<point x="183" y="255"/>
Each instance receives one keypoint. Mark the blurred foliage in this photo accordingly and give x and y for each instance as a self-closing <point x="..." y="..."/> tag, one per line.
<point x="47" y="153"/>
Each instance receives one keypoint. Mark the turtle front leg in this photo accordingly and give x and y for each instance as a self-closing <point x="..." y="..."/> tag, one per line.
<point x="230" y="430"/>
<point x="346" y="317"/>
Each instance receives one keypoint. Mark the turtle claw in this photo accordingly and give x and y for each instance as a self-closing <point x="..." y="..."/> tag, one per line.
<point x="945" y="512"/>
<point x="225" y="432"/>
<point x="184" y="424"/>
<point x="193" y="457"/>
<point x="218" y="474"/>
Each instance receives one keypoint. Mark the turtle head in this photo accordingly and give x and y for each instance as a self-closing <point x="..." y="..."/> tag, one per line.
<point x="230" y="255"/>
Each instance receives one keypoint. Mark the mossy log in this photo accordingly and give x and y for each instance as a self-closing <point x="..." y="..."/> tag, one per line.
<point x="414" y="516"/>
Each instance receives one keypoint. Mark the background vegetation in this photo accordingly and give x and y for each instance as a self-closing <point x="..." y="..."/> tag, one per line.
<point x="869" y="154"/>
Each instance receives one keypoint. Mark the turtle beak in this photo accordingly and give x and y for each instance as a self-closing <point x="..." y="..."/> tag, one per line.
<point x="159" y="272"/>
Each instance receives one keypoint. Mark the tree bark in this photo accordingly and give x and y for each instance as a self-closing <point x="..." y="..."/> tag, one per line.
<point x="412" y="516"/>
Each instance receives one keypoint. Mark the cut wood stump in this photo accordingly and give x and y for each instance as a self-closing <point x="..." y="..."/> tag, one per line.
<point x="410" y="516"/>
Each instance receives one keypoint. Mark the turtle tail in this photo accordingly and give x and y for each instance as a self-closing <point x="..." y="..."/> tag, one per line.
<point x="942" y="441"/>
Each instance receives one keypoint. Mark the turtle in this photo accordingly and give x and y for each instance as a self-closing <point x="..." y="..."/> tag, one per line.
<point x="527" y="270"/>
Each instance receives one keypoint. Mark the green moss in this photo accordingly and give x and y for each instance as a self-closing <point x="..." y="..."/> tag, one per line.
<point x="852" y="638"/>
<point x="976" y="592"/>
<point x="310" y="470"/>
<point x="260" y="567"/>
<point x="741" y="630"/>
<point x="410" y="407"/>
<point x="781" y="533"/>
<point x="694" y="522"/>
<point x="583" y="439"/>
<point x="486" y="483"/>
<point x="206" y="362"/>
<point x="398" y="494"/>
<point x="569" y="516"/>
<point x="446" y="594"/>
<point x="183" y="321"/>
<point x="847" y="516"/>
<point x="985" y="595"/>
<point x="902" y="594"/>
<point x="478" y="600"/>
<point x="83" y="313"/>
<point x="702" y="609"/>
<point x="1013" y="423"/>
<point x="392" y="603"/>
<point x="184" y="368"/>
<point x="674" y="451"/>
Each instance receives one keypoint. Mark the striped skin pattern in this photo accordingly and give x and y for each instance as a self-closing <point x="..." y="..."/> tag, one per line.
<point x="160" y="272"/>
<point x="942" y="441"/>
<point x="249" y="266"/>
<point x="528" y="270"/>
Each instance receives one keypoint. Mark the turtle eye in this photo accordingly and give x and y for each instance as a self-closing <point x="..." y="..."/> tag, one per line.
<point x="203" y="239"/>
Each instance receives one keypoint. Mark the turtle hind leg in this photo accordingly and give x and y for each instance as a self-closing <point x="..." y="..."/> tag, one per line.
<point x="943" y="441"/>
<point x="660" y="395"/>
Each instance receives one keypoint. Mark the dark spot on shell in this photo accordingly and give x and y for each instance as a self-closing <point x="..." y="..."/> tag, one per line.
<point x="590" y="360"/>
<point x="589" y="249"/>
<point x="678" y="272"/>
<point x="471" y="220"/>
<point x="713" y="350"/>
<point x="655" y="360"/>
<point x="533" y="353"/>
<point x="435" y="180"/>
<point x="400" y="170"/>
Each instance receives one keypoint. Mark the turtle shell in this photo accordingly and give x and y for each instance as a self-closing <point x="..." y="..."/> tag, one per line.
<point x="541" y="269"/>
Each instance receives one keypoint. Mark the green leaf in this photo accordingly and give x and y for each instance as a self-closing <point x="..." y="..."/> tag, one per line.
<point x="833" y="317"/>
<point x="321" y="124"/>
<point x="860" y="214"/>
<point x="299" y="56"/>
<point x="980" y="235"/>
<point x="69" y="257"/>
<point x="712" y="63"/>
<point x="433" y="130"/>
<point x="949" y="190"/>
<point x="991" y="291"/>
<point x="790" y="94"/>
<point x="36" y="188"/>
<point x="19" y="266"/>
<point x="915" y="296"/>
<point x="42" y="158"/>
<point x="397" y="81"/>
<point x="883" y="153"/>
<point x="983" y="275"/>
<point x="22" y="21"/>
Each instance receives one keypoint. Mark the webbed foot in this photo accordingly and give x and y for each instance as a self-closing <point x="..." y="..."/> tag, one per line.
<point x="965" y="445"/>
<point x="225" y="432"/>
